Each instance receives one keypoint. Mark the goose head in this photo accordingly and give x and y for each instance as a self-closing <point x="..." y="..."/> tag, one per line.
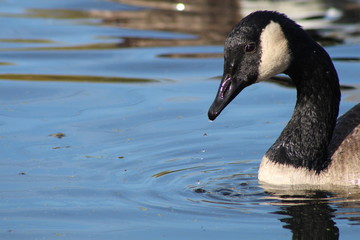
<point x="255" y="50"/>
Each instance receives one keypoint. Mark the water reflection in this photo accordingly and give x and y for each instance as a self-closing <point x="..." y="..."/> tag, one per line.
<point x="73" y="78"/>
<point x="208" y="20"/>
<point x="308" y="214"/>
<point x="311" y="214"/>
<point x="211" y="20"/>
<point x="309" y="218"/>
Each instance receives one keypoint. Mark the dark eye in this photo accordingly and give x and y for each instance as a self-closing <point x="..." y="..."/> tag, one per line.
<point x="250" y="47"/>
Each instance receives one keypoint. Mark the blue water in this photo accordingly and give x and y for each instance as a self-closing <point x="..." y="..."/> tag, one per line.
<point x="135" y="156"/>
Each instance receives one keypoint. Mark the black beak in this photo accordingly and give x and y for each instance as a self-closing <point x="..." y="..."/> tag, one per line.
<point x="228" y="90"/>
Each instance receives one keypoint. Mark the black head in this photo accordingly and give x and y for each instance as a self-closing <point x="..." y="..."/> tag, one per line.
<point x="255" y="50"/>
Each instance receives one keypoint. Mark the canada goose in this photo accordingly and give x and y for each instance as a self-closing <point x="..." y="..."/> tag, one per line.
<point x="313" y="149"/>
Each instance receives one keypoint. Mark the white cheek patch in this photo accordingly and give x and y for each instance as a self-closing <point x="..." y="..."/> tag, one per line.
<point x="275" y="57"/>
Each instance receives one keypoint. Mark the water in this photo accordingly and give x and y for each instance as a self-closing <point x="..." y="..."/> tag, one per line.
<point x="104" y="132"/>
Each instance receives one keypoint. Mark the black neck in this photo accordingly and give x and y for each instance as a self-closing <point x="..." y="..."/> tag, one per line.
<point x="304" y="141"/>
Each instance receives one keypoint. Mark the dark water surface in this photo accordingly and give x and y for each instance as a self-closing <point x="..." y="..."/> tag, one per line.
<point x="104" y="131"/>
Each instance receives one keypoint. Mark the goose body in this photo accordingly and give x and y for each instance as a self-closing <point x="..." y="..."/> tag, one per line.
<point x="344" y="154"/>
<point x="314" y="148"/>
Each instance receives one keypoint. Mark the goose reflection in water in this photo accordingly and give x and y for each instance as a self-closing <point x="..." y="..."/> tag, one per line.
<point x="308" y="214"/>
<point x="309" y="218"/>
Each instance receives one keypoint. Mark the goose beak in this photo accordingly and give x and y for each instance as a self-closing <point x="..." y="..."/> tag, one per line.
<point x="228" y="90"/>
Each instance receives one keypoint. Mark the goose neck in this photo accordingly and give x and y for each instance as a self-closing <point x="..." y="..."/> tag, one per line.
<point x="304" y="141"/>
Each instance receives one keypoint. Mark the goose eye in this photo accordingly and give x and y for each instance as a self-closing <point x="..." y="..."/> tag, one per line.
<point x="250" y="47"/>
